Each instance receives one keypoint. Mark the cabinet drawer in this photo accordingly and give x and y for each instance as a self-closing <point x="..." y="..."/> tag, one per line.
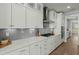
<point x="35" y="49"/>
<point x="21" y="51"/>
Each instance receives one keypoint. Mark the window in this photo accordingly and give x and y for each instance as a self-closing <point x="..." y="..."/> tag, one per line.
<point x="38" y="6"/>
<point x="32" y="5"/>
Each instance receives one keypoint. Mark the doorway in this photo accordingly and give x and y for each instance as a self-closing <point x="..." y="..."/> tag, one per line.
<point x="71" y="27"/>
<point x="75" y="28"/>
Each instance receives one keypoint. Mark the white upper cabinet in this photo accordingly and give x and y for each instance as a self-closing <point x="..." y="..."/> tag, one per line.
<point x="30" y="17"/>
<point x="39" y="20"/>
<point x="21" y="15"/>
<point x="52" y="17"/>
<point x="39" y="16"/>
<point x="18" y="16"/>
<point x="5" y="15"/>
<point x="34" y="16"/>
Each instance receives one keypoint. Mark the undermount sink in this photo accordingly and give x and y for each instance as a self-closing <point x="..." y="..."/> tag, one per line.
<point x="47" y="34"/>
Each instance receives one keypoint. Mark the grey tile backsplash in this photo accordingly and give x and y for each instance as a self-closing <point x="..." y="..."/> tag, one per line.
<point x="46" y="30"/>
<point x="16" y="34"/>
<point x="2" y="34"/>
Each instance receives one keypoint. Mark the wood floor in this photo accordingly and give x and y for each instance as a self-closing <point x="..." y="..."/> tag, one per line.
<point x="69" y="48"/>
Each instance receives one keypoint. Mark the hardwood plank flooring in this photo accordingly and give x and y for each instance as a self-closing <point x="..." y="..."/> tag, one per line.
<point x="68" y="48"/>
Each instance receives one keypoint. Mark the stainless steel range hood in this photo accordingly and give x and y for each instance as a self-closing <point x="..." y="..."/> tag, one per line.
<point x="46" y="15"/>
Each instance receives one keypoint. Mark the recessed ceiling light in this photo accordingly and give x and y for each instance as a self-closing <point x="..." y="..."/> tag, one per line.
<point x="68" y="7"/>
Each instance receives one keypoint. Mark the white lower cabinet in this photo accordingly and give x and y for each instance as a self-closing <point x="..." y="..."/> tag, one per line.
<point x="52" y="43"/>
<point x="58" y="40"/>
<point x="43" y="47"/>
<point x="44" y="50"/>
<point x="49" y="45"/>
<point x="35" y="49"/>
<point x="21" y="51"/>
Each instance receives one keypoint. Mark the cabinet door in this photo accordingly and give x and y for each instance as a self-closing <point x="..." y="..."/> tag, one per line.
<point x="18" y="16"/>
<point x="21" y="51"/>
<point x="39" y="15"/>
<point x="31" y="17"/>
<point x="59" y="23"/>
<point x="49" y="44"/>
<point x="39" y="20"/>
<point x="57" y="41"/>
<point x="44" y="48"/>
<point x="35" y="49"/>
<point x="52" y="43"/>
<point x="34" y="18"/>
<point x="5" y="15"/>
<point x="52" y="15"/>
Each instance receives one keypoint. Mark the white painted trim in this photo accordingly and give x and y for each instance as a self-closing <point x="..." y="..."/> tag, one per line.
<point x="65" y="29"/>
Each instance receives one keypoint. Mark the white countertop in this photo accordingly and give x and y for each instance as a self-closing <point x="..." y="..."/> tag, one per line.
<point x="22" y="43"/>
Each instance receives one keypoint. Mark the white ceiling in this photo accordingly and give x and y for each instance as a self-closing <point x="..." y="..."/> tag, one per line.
<point x="62" y="7"/>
